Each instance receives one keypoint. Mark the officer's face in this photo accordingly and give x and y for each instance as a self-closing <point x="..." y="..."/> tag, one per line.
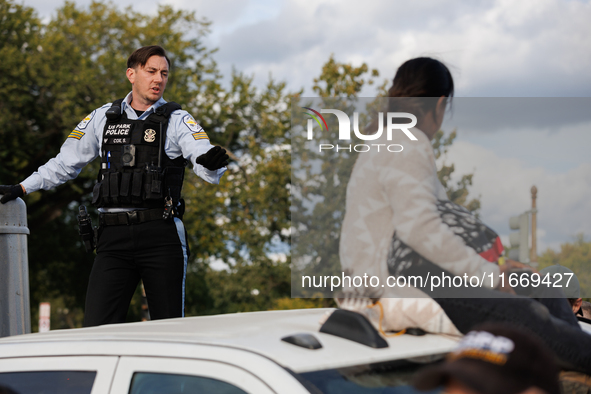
<point x="148" y="82"/>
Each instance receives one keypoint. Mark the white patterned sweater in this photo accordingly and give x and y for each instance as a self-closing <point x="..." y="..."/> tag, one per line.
<point x="390" y="192"/>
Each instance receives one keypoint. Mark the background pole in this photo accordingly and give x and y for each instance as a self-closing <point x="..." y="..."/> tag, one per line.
<point x="15" y="310"/>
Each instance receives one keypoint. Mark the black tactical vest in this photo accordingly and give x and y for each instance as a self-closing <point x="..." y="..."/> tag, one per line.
<point x="135" y="171"/>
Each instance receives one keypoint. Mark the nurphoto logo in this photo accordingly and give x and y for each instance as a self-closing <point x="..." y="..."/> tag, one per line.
<point x="345" y="129"/>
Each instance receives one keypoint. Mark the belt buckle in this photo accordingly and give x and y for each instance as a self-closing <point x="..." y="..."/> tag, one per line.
<point x="132" y="217"/>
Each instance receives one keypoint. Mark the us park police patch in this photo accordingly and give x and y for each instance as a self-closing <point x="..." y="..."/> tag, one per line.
<point x="190" y="123"/>
<point x="82" y="125"/>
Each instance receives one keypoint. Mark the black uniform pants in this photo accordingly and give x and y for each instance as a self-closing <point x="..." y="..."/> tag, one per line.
<point x="155" y="252"/>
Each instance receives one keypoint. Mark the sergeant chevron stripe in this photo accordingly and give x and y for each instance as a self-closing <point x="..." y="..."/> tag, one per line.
<point x="200" y="135"/>
<point x="76" y="134"/>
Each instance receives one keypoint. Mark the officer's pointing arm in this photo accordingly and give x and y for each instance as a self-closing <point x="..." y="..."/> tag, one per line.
<point x="208" y="161"/>
<point x="80" y="148"/>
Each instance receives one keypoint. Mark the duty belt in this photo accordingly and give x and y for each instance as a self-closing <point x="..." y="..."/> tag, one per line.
<point x="130" y="217"/>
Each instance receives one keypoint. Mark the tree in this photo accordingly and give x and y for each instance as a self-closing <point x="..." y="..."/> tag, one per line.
<point x="320" y="179"/>
<point x="574" y="255"/>
<point x="245" y="220"/>
<point x="19" y="40"/>
<point x="342" y="79"/>
<point x="458" y="192"/>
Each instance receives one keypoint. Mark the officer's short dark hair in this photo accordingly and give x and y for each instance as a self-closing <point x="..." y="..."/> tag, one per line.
<point x="140" y="56"/>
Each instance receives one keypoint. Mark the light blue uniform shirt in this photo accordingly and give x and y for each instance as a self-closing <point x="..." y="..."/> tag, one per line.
<point x="184" y="137"/>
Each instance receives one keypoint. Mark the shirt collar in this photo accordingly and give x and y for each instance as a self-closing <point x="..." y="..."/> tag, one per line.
<point x="127" y="108"/>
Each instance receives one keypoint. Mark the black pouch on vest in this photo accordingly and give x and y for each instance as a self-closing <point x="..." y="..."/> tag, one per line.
<point x="96" y="193"/>
<point x="137" y="181"/>
<point x="136" y="185"/>
<point x="105" y="188"/>
<point x="114" y="187"/>
<point x="125" y="186"/>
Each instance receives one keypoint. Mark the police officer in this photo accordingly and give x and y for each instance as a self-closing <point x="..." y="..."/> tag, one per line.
<point x="144" y="143"/>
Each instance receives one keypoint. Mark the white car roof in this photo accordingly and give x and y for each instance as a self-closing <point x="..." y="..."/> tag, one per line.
<point x="257" y="332"/>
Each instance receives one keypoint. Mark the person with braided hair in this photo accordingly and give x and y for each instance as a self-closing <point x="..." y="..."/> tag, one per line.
<point x="399" y="222"/>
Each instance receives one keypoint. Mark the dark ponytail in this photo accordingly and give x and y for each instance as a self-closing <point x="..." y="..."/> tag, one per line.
<point x="417" y="86"/>
<point x="422" y="77"/>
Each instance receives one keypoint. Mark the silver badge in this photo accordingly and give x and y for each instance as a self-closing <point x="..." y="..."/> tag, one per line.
<point x="150" y="135"/>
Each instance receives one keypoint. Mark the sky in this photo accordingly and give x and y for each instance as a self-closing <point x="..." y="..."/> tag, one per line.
<point x="502" y="48"/>
<point x="512" y="144"/>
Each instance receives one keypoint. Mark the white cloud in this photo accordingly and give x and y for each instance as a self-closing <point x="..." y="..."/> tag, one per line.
<point x="498" y="48"/>
<point x="525" y="48"/>
<point x="504" y="187"/>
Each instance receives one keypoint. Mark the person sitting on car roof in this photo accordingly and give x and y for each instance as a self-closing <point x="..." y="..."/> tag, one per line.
<point x="399" y="222"/>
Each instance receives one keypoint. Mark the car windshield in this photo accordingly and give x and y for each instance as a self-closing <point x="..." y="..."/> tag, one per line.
<point x="392" y="377"/>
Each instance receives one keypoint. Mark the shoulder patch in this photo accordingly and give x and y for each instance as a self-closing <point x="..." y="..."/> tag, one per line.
<point x="82" y="125"/>
<point x="190" y="123"/>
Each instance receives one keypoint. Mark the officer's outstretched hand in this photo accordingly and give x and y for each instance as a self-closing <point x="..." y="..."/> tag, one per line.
<point x="214" y="159"/>
<point x="11" y="193"/>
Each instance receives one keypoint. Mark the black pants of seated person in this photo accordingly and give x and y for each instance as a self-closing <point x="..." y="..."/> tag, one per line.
<point x="551" y="320"/>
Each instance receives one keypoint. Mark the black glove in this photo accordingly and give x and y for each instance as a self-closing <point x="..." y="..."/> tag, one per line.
<point x="11" y="193"/>
<point x="214" y="159"/>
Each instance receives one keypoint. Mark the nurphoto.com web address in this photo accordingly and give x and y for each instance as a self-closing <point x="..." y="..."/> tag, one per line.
<point x="436" y="281"/>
